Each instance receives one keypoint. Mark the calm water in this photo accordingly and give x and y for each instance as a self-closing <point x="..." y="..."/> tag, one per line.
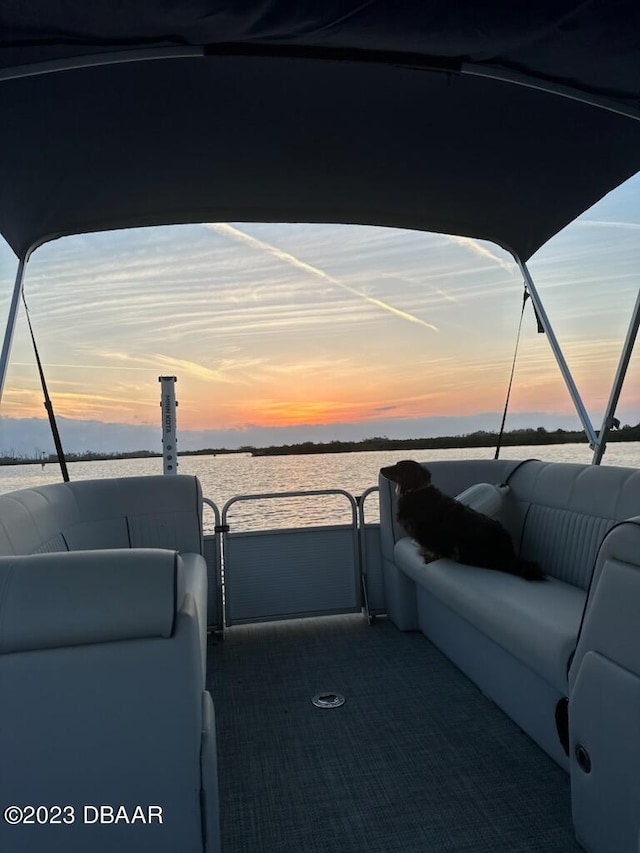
<point x="224" y="477"/>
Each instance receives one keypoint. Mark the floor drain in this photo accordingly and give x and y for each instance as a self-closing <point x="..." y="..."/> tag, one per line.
<point x="328" y="700"/>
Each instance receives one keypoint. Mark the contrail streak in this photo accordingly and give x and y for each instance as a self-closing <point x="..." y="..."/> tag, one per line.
<point x="421" y="283"/>
<point x="236" y="234"/>
<point x="478" y="249"/>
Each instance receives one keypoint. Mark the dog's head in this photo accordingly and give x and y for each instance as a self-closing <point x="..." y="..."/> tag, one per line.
<point x="409" y="475"/>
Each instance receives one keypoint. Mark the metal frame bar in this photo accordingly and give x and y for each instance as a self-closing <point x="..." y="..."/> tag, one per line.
<point x="217" y="537"/>
<point x="11" y="323"/>
<point x="297" y="494"/>
<point x="414" y="60"/>
<point x="549" y="87"/>
<point x="362" y="532"/>
<point x="353" y="527"/>
<point x="116" y="57"/>
<point x="555" y="347"/>
<point x="616" y="388"/>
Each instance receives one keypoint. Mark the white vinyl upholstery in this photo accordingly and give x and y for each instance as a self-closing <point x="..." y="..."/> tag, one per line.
<point x="87" y="597"/>
<point x="604" y="700"/>
<point x="196" y="584"/>
<point x="453" y="478"/>
<point x="537" y="622"/>
<point x="103" y="702"/>
<point x="565" y="510"/>
<point x="486" y="498"/>
<point x="103" y="597"/>
<point x="560" y="515"/>
<point x="126" y="512"/>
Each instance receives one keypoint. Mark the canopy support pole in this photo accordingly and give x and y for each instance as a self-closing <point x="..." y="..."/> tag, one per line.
<point x="11" y="324"/>
<point x="555" y="347"/>
<point x="609" y="420"/>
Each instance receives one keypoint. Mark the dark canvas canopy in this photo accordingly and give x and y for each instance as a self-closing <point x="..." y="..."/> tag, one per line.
<point x="336" y="111"/>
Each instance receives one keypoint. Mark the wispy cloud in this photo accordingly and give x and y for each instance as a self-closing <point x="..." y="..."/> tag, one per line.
<point x="413" y="280"/>
<point x="113" y="405"/>
<point x="297" y="334"/>
<point x="79" y="366"/>
<point x="603" y="223"/>
<point x="178" y="365"/>
<point x="237" y="234"/>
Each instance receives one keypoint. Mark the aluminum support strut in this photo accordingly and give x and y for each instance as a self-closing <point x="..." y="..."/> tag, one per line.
<point x="428" y="63"/>
<point x="623" y="364"/>
<point x="116" y="57"/>
<point x="11" y="324"/>
<point x="555" y="347"/>
<point x="517" y="78"/>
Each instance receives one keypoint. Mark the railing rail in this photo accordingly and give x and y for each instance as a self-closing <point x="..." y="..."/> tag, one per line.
<point x="318" y="571"/>
<point x="215" y="620"/>
<point x="294" y="494"/>
<point x="362" y="549"/>
<point x="226" y="540"/>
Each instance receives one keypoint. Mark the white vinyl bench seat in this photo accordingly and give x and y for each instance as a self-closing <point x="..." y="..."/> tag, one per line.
<point x="127" y="512"/>
<point x="537" y="648"/>
<point x="537" y="622"/>
<point x="103" y="593"/>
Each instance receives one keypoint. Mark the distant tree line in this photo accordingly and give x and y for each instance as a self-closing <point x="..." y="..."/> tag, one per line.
<point x="43" y="458"/>
<point x="9" y="458"/>
<point x="480" y="438"/>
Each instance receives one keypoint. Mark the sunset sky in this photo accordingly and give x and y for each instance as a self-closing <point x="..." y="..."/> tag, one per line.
<point x="284" y="325"/>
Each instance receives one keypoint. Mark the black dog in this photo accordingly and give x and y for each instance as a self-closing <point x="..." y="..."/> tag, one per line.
<point x="443" y="527"/>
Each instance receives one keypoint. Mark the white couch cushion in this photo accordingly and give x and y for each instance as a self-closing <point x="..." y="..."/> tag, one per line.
<point x="83" y="597"/>
<point x="485" y="498"/>
<point x="536" y="622"/>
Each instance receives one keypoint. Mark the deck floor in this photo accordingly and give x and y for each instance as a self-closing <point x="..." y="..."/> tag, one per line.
<point x="416" y="760"/>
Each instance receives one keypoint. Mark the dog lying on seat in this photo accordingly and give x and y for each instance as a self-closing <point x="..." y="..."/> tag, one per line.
<point x="444" y="527"/>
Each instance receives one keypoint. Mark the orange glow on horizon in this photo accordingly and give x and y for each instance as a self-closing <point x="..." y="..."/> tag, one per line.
<point x="297" y="394"/>
<point x="548" y="395"/>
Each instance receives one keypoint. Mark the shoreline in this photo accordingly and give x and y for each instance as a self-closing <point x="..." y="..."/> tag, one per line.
<point x="515" y="438"/>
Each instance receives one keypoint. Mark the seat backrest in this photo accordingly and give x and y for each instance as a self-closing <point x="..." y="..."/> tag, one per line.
<point x="557" y="513"/>
<point x="102" y="692"/>
<point x="126" y="512"/>
<point x="561" y="512"/>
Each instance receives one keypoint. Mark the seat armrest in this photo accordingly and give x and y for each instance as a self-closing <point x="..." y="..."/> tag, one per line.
<point x="604" y="699"/>
<point x="610" y="624"/>
<point x="209" y="772"/>
<point x="196" y="584"/>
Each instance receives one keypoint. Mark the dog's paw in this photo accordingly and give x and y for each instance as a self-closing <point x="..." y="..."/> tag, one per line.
<point x="428" y="556"/>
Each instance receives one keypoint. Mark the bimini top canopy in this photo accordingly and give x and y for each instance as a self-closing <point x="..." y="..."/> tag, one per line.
<point x="494" y="120"/>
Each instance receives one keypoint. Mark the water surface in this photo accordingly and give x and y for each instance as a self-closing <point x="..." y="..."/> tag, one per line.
<point x="224" y="477"/>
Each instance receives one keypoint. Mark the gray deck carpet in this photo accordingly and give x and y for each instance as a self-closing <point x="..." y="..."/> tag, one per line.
<point x="416" y="760"/>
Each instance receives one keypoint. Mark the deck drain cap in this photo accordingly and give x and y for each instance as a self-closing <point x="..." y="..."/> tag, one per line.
<point x="328" y="700"/>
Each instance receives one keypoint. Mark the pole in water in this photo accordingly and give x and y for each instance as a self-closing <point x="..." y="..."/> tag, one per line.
<point x="168" y="405"/>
